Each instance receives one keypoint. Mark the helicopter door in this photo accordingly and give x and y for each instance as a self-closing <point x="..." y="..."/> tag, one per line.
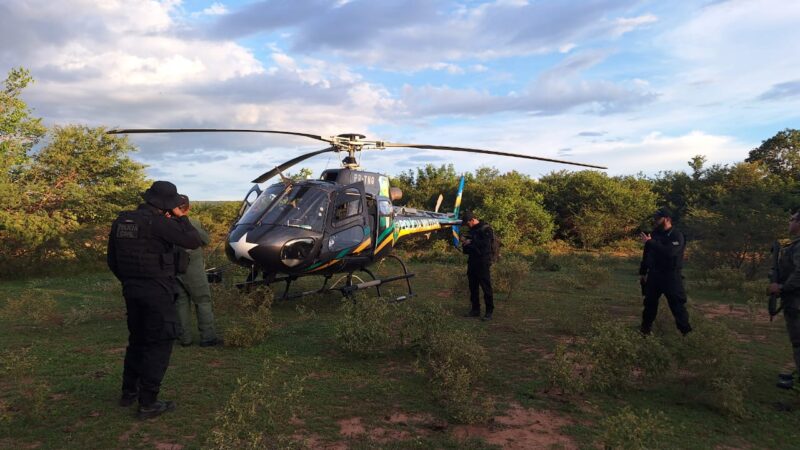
<point x="251" y="197"/>
<point x="349" y="224"/>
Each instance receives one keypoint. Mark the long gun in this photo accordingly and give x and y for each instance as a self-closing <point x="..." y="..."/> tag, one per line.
<point x="774" y="277"/>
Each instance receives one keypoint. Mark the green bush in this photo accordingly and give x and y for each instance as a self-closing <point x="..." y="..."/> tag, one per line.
<point x="455" y="361"/>
<point x="253" y="320"/>
<point x="258" y="411"/>
<point x="508" y="274"/>
<point x="29" y="394"/>
<point x="366" y="325"/>
<point x="32" y="307"/>
<point x="634" y="431"/>
<point x="563" y="371"/>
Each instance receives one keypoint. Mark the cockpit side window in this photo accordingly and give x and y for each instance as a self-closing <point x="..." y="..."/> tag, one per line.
<point x="348" y="204"/>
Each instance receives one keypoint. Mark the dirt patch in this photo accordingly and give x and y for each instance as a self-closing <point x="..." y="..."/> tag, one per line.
<point x="521" y="428"/>
<point x="168" y="446"/>
<point x="125" y="437"/>
<point x="351" y="427"/>
<point x="442" y="294"/>
<point x="116" y="351"/>
<point x="215" y="363"/>
<point x="716" y="310"/>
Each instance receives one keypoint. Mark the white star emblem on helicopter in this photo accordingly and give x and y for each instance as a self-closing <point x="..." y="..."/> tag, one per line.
<point x="242" y="247"/>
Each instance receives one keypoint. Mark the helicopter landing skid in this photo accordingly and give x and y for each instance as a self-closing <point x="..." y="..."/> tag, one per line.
<point x="349" y="289"/>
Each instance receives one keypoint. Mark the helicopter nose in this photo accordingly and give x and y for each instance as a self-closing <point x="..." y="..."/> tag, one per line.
<point x="270" y="247"/>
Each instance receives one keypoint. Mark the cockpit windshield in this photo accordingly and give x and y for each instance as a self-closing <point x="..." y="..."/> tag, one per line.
<point x="301" y="206"/>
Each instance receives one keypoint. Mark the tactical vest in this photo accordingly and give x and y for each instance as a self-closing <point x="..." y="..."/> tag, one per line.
<point x="138" y="253"/>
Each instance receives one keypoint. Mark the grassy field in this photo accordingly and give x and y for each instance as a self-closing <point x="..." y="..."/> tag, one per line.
<point x="64" y="339"/>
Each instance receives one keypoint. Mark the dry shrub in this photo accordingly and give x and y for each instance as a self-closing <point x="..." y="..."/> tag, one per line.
<point x="19" y="366"/>
<point x="253" y="319"/>
<point x="508" y="275"/>
<point x="634" y="431"/>
<point x="258" y="411"/>
<point x="564" y="371"/>
<point x="32" y="306"/>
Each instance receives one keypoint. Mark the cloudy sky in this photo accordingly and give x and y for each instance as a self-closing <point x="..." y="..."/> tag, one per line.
<point x="634" y="85"/>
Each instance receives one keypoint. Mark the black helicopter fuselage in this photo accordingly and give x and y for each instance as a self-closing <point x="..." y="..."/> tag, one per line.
<point x="340" y="223"/>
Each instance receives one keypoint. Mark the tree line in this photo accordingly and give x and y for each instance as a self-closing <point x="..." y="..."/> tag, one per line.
<point x="61" y="187"/>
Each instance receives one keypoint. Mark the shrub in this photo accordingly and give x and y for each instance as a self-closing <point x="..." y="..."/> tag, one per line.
<point x="710" y="355"/>
<point x="78" y="315"/>
<point x="456" y="282"/>
<point x="365" y="326"/>
<point x="33" y="306"/>
<point x="563" y="371"/>
<point x="629" y="430"/>
<point x="19" y="367"/>
<point x="254" y="319"/>
<point x="257" y="410"/>
<point x="455" y="361"/>
<point x="508" y="274"/>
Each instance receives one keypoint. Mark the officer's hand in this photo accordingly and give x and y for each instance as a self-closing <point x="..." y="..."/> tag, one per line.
<point x="467" y="241"/>
<point x="177" y="212"/>
<point x="774" y="289"/>
<point x="644" y="237"/>
<point x="642" y="279"/>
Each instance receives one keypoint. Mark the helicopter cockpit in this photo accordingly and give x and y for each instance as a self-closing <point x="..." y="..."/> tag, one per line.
<point x="293" y="205"/>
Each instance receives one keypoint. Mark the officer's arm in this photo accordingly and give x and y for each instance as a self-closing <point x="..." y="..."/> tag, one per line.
<point x="792" y="284"/>
<point x="670" y="248"/>
<point x="111" y="254"/>
<point x="643" y="266"/>
<point x="201" y="231"/>
<point x="178" y="231"/>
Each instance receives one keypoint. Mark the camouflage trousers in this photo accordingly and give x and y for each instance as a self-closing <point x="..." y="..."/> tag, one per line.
<point x="791" y="314"/>
<point x="200" y="296"/>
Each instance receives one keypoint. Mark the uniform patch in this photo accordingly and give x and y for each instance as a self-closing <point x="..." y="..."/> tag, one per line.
<point x="129" y="230"/>
<point x="676" y="243"/>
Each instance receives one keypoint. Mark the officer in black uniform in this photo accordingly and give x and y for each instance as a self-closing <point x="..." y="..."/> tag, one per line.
<point x="660" y="272"/>
<point x="142" y="254"/>
<point x="478" y="247"/>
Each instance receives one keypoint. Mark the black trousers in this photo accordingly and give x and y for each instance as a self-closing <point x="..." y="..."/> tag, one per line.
<point x="670" y="284"/>
<point x="152" y="326"/>
<point x="480" y="277"/>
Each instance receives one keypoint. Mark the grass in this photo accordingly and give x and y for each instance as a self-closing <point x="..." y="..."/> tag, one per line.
<point x="76" y="365"/>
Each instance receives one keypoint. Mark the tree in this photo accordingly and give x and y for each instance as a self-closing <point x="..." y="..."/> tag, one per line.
<point x="780" y="154"/>
<point x="57" y="201"/>
<point x="747" y="213"/>
<point x="593" y="209"/>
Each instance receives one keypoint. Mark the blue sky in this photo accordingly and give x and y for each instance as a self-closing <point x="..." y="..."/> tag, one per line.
<point x="639" y="86"/>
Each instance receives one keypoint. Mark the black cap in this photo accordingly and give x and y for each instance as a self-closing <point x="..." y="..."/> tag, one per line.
<point x="663" y="212"/>
<point x="163" y="195"/>
<point x="467" y="216"/>
<point x="184" y="199"/>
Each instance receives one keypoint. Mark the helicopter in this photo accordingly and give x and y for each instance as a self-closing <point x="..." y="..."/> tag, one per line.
<point x="339" y="224"/>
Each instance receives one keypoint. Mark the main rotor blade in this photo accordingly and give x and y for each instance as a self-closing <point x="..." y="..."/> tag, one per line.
<point x="272" y="172"/>
<point x="214" y="130"/>
<point x="489" y="152"/>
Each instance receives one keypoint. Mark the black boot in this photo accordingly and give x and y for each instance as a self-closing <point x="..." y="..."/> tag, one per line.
<point x="127" y="399"/>
<point x="155" y="409"/>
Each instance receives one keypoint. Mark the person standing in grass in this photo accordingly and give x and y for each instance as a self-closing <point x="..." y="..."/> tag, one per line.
<point x="193" y="289"/>
<point x="660" y="272"/>
<point x="480" y="252"/>
<point x="787" y="287"/>
<point x="143" y="255"/>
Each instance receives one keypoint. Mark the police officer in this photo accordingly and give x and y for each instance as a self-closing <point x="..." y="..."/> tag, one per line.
<point x="478" y="247"/>
<point x="660" y="272"/>
<point x="193" y="288"/>
<point x="142" y="254"/>
<point x="787" y="286"/>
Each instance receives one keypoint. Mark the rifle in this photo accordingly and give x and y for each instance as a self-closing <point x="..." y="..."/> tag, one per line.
<point x="774" y="277"/>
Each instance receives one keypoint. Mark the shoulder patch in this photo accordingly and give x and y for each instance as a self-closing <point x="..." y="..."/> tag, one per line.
<point x="128" y="230"/>
<point x="676" y="243"/>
